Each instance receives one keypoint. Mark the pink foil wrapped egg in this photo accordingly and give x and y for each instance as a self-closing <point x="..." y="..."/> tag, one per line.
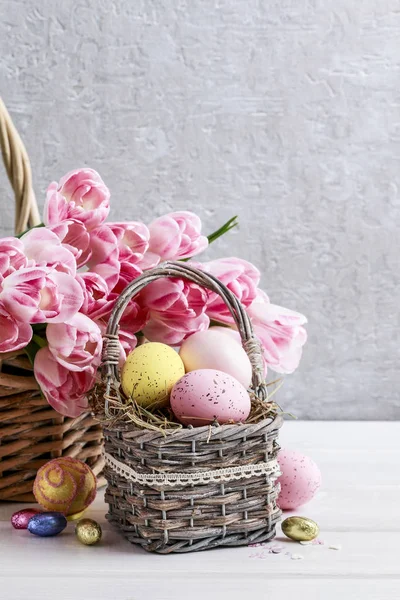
<point x="215" y="349"/>
<point x="207" y="395"/>
<point x="20" y="519"/>
<point x="299" y="481"/>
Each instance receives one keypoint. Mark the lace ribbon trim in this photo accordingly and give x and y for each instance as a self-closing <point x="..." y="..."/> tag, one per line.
<point x="216" y="476"/>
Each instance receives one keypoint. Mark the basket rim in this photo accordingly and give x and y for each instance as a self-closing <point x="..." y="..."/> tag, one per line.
<point x="203" y="433"/>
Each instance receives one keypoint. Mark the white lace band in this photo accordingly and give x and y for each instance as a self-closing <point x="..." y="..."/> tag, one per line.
<point x="216" y="476"/>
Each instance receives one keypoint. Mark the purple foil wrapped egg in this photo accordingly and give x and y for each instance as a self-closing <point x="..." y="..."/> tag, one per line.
<point x="20" y="519"/>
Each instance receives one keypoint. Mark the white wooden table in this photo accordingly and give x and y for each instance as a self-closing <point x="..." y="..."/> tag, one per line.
<point x="357" y="508"/>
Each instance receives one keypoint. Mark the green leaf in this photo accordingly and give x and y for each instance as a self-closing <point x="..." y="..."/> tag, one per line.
<point x="218" y="324"/>
<point x="40" y="328"/>
<point x="233" y="222"/>
<point x="31" y="350"/>
<point x="39" y="340"/>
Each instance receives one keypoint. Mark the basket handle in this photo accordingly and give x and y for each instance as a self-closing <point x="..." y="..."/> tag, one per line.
<point x="19" y="173"/>
<point x="251" y="345"/>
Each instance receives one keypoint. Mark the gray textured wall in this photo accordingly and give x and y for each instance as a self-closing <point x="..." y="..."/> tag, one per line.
<point x="285" y="112"/>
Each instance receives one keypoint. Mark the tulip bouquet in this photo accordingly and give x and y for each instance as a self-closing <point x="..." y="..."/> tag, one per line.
<point x="59" y="282"/>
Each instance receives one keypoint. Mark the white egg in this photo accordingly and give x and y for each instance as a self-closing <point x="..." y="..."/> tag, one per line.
<point x="214" y="349"/>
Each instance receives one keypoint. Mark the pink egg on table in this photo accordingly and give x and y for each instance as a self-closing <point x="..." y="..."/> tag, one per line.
<point x="215" y="349"/>
<point x="20" y="519"/>
<point x="299" y="481"/>
<point x="203" y="396"/>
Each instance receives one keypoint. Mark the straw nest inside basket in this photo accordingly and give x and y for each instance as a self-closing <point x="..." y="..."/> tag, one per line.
<point x="127" y="410"/>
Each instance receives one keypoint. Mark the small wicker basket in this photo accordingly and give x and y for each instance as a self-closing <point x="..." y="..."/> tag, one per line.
<point x="31" y="432"/>
<point x="182" y="490"/>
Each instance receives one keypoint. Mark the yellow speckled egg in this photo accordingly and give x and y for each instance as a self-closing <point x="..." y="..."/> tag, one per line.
<point x="150" y="372"/>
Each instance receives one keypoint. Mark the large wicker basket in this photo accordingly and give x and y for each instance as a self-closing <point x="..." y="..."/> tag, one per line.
<point x="192" y="488"/>
<point x="31" y="432"/>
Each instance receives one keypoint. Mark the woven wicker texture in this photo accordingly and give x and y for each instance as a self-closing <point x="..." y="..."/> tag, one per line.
<point x="18" y="169"/>
<point x="31" y="432"/>
<point x="168" y="517"/>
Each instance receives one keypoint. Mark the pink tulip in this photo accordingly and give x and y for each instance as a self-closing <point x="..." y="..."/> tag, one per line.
<point x="64" y="390"/>
<point x="177" y="235"/>
<point x="133" y="319"/>
<point x="176" y="309"/>
<point x="281" y="333"/>
<point x="133" y="243"/>
<point x="240" y="277"/>
<point x="104" y="259"/>
<point x="41" y="295"/>
<point x="12" y="256"/>
<point x="76" y="344"/>
<point x="95" y="295"/>
<point x="80" y="195"/>
<point x="127" y="274"/>
<point x="44" y="248"/>
<point x="128" y="342"/>
<point x="75" y="237"/>
<point x="13" y="334"/>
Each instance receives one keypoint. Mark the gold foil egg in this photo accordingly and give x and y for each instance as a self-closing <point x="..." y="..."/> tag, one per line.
<point x="88" y="532"/>
<point x="300" y="529"/>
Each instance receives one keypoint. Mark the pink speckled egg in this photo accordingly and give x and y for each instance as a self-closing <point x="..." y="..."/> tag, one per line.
<point x="20" y="519"/>
<point x="203" y="396"/>
<point x="215" y="349"/>
<point x="299" y="481"/>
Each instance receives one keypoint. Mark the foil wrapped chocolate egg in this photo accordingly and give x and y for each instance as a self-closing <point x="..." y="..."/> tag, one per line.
<point x="20" y="519"/>
<point x="47" y="524"/>
<point x="300" y="529"/>
<point x="88" y="532"/>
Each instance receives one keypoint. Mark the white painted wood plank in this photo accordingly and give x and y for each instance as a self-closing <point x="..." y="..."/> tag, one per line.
<point x="342" y="509"/>
<point x="360" y="488"/>
<point x="358" y="507"/>
<point x="358" y="456"/>
<point x="361" y="554"/>
<point x="341" y="435"/>
<point x="357" y="469"/>
<point x="368" y="510"/>
<point x="230" y="587"/>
